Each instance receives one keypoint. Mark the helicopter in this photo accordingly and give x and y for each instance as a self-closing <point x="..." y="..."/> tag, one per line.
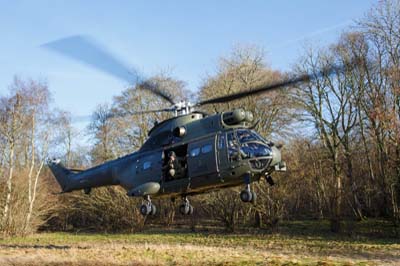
<point x="212" y="151"/>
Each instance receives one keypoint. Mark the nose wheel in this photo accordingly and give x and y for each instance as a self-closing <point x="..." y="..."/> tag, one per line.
<point x="185" y="208"/>
<point x="247" y="195"/>
<point x="148" y="208"/>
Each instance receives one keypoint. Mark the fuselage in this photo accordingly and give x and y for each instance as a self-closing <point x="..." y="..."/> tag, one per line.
<point x="213" y="154"/>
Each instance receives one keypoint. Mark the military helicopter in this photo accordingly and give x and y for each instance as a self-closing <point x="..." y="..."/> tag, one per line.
<point x="211" y="151"/>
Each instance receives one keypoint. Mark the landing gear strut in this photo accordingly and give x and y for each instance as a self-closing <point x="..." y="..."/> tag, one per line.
<point x="269" y="180"/>
<point x="247" y="195"/>
<point x="185" y="208"/>
<point x="148" y="208"/>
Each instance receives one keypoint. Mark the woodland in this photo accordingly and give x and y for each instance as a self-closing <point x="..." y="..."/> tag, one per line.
<point x="340" y="135"/>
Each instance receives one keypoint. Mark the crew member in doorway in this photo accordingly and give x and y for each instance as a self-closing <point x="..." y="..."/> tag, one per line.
<point x="173" y="167"/>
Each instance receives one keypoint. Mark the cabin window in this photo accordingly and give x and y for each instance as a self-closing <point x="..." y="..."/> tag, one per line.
<point x="146" y="165"/>
<point x="206" y="148"/>
<point x="194" y="152"/>
<point x="221" y="141"/>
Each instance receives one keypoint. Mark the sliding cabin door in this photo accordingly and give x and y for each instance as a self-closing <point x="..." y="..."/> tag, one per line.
<point x="202" y="162"/>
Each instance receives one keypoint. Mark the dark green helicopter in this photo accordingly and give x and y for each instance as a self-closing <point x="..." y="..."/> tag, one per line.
<point x="211" y="152"/>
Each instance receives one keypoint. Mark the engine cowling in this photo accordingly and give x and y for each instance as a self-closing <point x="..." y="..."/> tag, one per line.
<point x="237" y="116"/>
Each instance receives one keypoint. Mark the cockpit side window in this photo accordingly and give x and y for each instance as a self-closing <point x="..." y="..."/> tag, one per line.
<point x="233" y="147"/>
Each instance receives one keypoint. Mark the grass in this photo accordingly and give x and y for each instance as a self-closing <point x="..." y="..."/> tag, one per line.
<point x="294" y="243"/>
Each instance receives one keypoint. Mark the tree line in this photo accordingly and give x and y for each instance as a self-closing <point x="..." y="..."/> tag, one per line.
<point x="340" y="136"/>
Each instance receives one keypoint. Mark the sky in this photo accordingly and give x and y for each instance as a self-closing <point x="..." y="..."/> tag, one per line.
<point x="185" y="38"/>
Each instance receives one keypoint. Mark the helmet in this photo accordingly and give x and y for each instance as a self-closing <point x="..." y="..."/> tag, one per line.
<point x="171" y="153"/>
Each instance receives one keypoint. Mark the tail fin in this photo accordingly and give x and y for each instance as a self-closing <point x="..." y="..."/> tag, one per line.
<point x="60" y="173"/>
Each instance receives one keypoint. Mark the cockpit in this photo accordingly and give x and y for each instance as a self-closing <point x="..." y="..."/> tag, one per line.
<point x="247" y="144"/>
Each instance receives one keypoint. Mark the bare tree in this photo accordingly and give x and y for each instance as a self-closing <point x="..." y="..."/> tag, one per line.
<point x="325" y="102"/>
<point x="10" y="125"/>
<point x="245" y="69"/>
<point x="382" y="30"/>
<point x="23" y="115"/>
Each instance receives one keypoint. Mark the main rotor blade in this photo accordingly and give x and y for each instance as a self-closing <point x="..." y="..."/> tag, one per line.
<point x="274" y="86"/>
<point x="151" y="111"/>
<point x="85" y="50"/>
<point x="86" y="118"/>
<point x="150" y="86"/>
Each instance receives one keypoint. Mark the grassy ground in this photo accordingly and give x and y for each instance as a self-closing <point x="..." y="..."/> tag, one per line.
<point x="295" y="243"/>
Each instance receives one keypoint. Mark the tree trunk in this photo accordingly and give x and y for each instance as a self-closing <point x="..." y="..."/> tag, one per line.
<point x="9" y="186"/>
<point x="336" y="215"/>
<point x="32" y="166"/>
<point x="31" y="203"/>
<point x="356" y="206"/>
<point x="382" y="160"/>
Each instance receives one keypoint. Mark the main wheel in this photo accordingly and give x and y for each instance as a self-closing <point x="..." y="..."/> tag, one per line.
<point x="184" y="209"/>
<point x="246" y="195"/>
<point x="145" y="209"/>
<point x="190" y="210"/>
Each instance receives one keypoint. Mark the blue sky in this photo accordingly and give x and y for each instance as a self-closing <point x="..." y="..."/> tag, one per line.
<point x="185" y="37"/>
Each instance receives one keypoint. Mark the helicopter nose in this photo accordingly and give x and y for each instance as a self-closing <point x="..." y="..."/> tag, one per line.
<point x="276" y="156"/>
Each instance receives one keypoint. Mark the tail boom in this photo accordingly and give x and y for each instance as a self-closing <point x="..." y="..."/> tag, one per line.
<point x="71" y="180"/>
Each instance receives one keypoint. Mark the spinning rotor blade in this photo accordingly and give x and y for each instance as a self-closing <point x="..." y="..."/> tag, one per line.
<point x="151" y="111"/>
<point x="87" y="51"/>
<point x="276" y="85"/>
<point x="85" y="118"/>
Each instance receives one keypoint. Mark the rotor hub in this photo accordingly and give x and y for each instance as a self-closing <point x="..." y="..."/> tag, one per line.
<point x="183" y="108"/>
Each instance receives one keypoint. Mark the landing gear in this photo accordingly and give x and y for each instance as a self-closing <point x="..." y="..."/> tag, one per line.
<point x="148" y="208"/>
<point x="269" y="179"/>
<point x="87" y="190"/>
<point x="185" y="208"/>
<point x="247" y="195"/>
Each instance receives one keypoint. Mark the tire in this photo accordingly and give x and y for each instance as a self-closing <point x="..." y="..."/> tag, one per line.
<point x="153" y="209"/>
<point x="245" y="195"/>
<point x="190" y="210"/>
<point x="184" y="209"/>
<point x="145" y="209"/>
<point x="253" y="197"/>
